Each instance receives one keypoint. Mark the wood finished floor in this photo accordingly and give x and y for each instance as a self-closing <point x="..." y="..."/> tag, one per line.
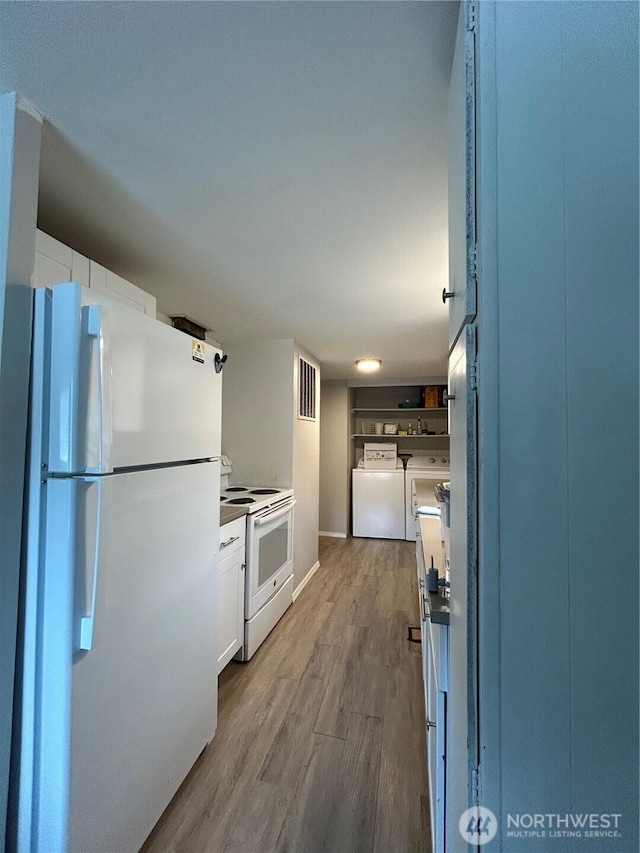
<point x="320" y="741"/>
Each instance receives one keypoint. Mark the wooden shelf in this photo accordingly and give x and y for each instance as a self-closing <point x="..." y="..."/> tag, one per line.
<point x="401" y="412"/>
<point x="391" y="437"/>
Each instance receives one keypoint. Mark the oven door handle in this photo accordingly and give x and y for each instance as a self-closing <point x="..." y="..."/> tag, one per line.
<point x="274" y="514"/>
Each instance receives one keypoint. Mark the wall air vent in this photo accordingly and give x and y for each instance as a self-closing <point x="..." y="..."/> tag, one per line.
<point x="188" y="326"/>
<point x="306" y="390"/>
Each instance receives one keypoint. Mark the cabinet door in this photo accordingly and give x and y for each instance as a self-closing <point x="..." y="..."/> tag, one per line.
<point x="47" y="271"/>
<point x="462" y="695"/>
<point x="462" y="178"/>
<point x="56" y="263"/>
<point x="230" y="606"/>
<point x="230" y="622"/>
<point x="436" y="702"/>
<point x="80" y="268"/>
<point x="53" y="261"/>
<point x="440" y="771"/>
<point x="119" y="288"/>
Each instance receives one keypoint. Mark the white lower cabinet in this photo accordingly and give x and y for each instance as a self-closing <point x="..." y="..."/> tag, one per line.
<point x="436" y="652"/>
<point x="435" y="675"/>
<point x="230" y="605"/>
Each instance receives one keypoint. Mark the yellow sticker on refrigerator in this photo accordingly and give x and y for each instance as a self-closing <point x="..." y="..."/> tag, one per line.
<point x="197" y="351"/>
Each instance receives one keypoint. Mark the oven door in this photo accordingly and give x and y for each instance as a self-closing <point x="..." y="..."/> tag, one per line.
<point x="269" y="557"/>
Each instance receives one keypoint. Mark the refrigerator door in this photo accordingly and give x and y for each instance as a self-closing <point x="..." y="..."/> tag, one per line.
<point x="127" y="684"/>
<point x="125" y="389"/>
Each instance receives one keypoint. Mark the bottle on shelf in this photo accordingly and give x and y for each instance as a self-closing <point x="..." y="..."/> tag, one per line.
<point x="418" y="426"/>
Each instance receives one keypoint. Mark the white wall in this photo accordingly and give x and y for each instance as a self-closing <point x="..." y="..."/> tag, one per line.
<point x="306" y="478"/>
<point x="20" y="133"/>
<point x="257" y="401"/>
<point x="267" y="443"/>
<point x="334" y="458"/>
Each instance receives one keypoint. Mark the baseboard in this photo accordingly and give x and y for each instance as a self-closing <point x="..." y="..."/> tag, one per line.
<point x="332" y="535"/>
<point x="308" y="576"/>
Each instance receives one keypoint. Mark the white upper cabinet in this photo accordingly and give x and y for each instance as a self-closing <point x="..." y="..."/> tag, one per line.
<point x="113" y="285"/>
<point x="56" y="263"/>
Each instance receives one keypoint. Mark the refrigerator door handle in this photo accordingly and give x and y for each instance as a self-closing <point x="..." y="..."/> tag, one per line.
<point x="95" y="327"/>
<point x="91" y="624"/>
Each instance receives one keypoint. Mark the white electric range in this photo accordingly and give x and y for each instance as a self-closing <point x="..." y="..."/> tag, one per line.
<point x="269" y="554"/>
<point x="253" y="498"/>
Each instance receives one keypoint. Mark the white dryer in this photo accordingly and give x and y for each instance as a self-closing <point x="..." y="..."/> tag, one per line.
<point x="377" y="502"/>
<point x="421" y="476"/>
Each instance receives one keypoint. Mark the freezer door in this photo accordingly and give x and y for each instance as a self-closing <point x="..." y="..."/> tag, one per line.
<point x="125" y="390"/>
<point x="128" y="657"/>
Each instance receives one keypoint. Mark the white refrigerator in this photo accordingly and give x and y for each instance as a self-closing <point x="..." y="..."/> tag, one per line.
<point x="119" y="684"/>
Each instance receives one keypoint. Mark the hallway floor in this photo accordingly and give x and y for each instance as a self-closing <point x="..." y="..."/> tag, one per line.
<point x="320" y="743"/>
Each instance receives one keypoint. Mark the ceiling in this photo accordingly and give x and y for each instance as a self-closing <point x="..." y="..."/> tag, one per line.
<point x="273" y="170"/>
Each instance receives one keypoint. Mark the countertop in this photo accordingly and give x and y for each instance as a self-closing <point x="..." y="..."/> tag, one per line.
<point x="230" y="513"/>
<point x="439" y="606"/>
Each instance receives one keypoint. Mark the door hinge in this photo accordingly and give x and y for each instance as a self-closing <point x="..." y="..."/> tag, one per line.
<point x="470" y="16"/>
<point x="475" y="786"/>
<point x="472" y="261"/>
<point x="473" y="374"/>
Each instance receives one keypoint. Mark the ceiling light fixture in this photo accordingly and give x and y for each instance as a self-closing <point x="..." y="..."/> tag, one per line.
<point x="368" y="365"/>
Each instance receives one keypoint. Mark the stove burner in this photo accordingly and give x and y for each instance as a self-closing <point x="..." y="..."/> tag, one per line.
<point x="264" y="491"/>
<point x="241" y="501"/>
<point x="237" y="489"/>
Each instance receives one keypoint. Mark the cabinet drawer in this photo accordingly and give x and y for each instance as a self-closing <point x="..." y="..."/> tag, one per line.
<point x="232" y="536"/>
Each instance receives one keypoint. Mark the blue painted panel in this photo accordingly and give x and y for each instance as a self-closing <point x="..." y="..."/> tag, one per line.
<point x="560" y="178"/>
<point x="19" y="168"/>
<point x="534" y="605"/>
<point x="600" y="81"/>
<point x="488" y="422"/>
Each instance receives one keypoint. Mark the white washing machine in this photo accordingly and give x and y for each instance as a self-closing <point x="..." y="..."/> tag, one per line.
<point x="377" y="502"/>
<point x="421" y="476"/>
